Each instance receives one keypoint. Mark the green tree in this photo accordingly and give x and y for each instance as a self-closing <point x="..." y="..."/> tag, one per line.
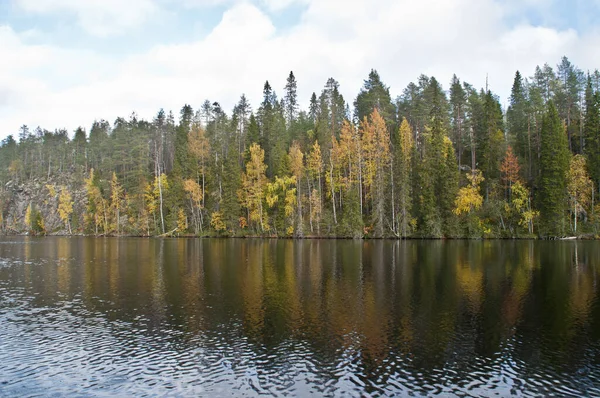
<point x="375" y="95"/>
<point x="554" y="164"/>
<point x="518" y="124"/>
<point x="437" y="179"/>
<point x="458" y="103"/>
<point x="591" y="131"/>
<point x="290" y="100"/>
<point x="403" y="162"/>
<point x="232" y="183"/>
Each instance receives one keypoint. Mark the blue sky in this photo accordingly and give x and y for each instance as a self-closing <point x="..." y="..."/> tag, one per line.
<point x="69" y="62"/>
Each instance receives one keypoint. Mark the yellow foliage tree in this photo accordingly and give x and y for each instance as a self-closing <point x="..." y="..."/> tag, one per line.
<point x="297" y="168"/>
<point x="216" y="221"/>
<point x="51" y="191"/>
<point x="579" y="186"/>
<point x="280" y="192"/>
<point x="153" y="198"/>
<point x="194" y="193"/>
<point x="254" y="182"/>
<point x="404" y="167"/>
<point x="116" y="203"/>
<point x="375" y="146"/>
<point x="28" y="212"/>
<point x="469" y="198"/>
<point x="65" y="207"/>
<point x="314" y="167"/>
<point x="181" y="221"/>
<point x="96" y="214"/>
<point x="199" y="147"/>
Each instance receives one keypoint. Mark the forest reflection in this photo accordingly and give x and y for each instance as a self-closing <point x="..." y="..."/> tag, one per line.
<point x="389" y="306"/>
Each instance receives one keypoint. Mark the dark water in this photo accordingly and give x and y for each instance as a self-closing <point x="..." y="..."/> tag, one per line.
<point x="152" y="317"/>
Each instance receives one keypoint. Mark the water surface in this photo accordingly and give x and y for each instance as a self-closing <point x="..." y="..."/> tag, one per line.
<point x="162" y="317"/>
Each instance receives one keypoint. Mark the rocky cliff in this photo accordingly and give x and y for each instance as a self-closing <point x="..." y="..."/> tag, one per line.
<point x="43" y="196"/>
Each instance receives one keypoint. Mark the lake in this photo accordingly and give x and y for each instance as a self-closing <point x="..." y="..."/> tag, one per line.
<point x="246" y="317"/>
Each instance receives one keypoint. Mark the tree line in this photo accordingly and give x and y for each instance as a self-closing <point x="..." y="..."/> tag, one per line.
<point x="430" y="163"/>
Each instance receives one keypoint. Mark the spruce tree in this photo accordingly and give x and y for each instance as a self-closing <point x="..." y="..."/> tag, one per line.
<point x="554" y="165"/>
<point x="517" y="123"/>
<point x="232" y="182"/>
<point x="433" y="202"/>
<point x="591" y="131"/>
<point x="375" y="95"/>
<point x="291" y="100"/>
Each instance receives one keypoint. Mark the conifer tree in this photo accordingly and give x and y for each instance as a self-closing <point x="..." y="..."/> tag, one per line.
<point x="437" y="173"/>
<point x="591" y="131"/>
<point x="458" y="102"/>
<point x="374" y="95"/>
<point x="291" y="100"/>
<point x="403" y="176"/>
<point x="518" y="124"/>
<point x="554" y="164"/>
<point x="232" y="182"/>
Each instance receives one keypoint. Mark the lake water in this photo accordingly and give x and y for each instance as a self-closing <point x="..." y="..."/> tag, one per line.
<point x="243" y="317"/>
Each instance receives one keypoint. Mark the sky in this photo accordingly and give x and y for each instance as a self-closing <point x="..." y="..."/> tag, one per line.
<point x="66" y="63"/>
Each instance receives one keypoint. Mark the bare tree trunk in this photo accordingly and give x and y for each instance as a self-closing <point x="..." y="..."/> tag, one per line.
<point x="310" y="213"/>
<point x="394" y="229"/>
<point x="160" y="192"/>
<point x="332" y="190"/>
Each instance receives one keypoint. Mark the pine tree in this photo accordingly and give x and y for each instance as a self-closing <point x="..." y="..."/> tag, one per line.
<point x="554" y="164"/>
<point x="241" y="114"/>
<point x="181" y="165"/>
<point x="458" y="102"/>
<point x="568" y="85"/>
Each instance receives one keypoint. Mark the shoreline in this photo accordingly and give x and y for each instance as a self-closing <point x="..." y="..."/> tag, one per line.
<point x="587" y="237"/>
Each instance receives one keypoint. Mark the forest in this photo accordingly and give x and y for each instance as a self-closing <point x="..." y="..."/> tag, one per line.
<point x="431" y="163"/>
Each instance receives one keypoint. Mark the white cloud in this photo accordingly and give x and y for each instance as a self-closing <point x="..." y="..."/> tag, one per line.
<point x="54" y="87"/>
<point x="97" y="17"/>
